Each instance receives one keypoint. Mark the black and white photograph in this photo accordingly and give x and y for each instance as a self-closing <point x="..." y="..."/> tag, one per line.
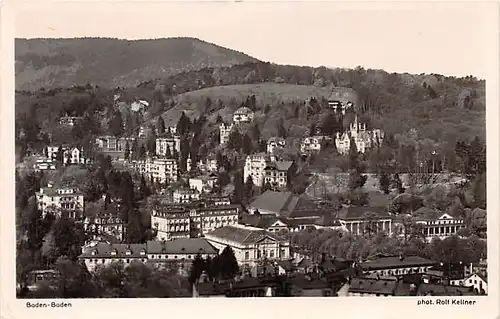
<point x="243" y="150"/>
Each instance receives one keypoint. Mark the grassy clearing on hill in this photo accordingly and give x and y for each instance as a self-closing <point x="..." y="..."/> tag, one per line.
<point x="194" y="102"/>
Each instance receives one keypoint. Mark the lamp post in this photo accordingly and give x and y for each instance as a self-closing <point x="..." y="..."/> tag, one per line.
<point x="433" y="162"/>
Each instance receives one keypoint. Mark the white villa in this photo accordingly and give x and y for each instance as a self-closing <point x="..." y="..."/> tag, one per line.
<point x="250" y="244"/>
<point x="313" y="144"/>
<point x="275" y="143"/>
<point x="224" y="131"/>
<point x="362" y="138"/>
<point x="173" y="143"/>
<point x="56" y="200"/>
<point x="243" y="115"/>
<point x="160" y="169"/>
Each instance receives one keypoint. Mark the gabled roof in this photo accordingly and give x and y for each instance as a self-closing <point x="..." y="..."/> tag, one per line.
<point x="104" y="250"/>
<point x="396" y="262"/>
<point x="181" y="246"/>
<point x="442" y="290"/>
<point x="280" y="165"/>
<point x="373" y="286"/>
<point x="242" y="235"/>
<point x="243" y="110"/>
<point x="358" y="212"/>
<point x="483" y="278"/>
<point x="275" y="202"/>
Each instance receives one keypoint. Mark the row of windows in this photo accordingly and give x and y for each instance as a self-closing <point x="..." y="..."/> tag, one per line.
<point x="399" y="271"/>
<point x="127" y="261"/>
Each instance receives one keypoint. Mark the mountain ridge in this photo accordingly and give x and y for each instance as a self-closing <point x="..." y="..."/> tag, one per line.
<point x="113" y="62"/>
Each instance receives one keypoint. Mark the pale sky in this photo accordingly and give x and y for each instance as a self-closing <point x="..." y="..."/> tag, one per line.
<point x="440" y="37"/>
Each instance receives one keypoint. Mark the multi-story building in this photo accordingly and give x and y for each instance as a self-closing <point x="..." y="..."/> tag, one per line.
<point x="361" y="220"/>
<point x="186" y="195"/>
<point x="384" y="265"/>
<point x="69" y="120"/>
<point x="103" y="254"/>
<point x="250" y="245"/>
<point x="106" y="224"/>
<point x="209" y="165"/>
<point x="158" y="253"/>
<point x="204" y="183"/>
<point x="71" y="155"/>
<point x="44" y="164"/>
<point x="67" y="200"/>
<point x="275" y="143"/>
<point x="115" y="146"/>
<point x="179" y="249"/>
<point x="278" y="174"/>
<point x="440" y="225"/>
<point x="243" y="115"/>
<point x="363" y="138"/>
<point x="208" y="218"/>
<point x="171" y="223"/>
<point x="313" y="144"/>
<point x="342" y="99"/>
<point x="478" y="282"/>
<point x="109" y="143"/>
<point x="212" y="199"/>
<point x="172" y="143"/>
<point x="160" y="169"/>
<point x="224" y="132"/>
<point x="184" y="221"/>
<point x="254" y="167"/>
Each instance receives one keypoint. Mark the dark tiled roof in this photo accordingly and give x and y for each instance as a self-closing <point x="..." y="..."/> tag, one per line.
<point x="181" y="246"/>
<point x="304" y="283"/>
<point x="373" y="286"/>
<point x="396" y="262"/>
<point x="243" y="110"/>
<point x="442" y="290"/>
<point x="103" y="250"/>
<point x="280" y="165"/>
<point x="276" y="202"/>
<point x="242" y="235"/>
<point x="357" y="212"/>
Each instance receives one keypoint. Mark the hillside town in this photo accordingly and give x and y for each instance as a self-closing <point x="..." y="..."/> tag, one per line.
<point x="268" y="224"/>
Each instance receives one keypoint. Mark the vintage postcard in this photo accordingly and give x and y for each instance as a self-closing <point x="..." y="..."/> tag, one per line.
<point x="287" y="158"/>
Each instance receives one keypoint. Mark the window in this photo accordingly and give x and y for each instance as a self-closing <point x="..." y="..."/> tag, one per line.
<point x="247" y="255"/>
<point x="128" y="261"/>
<point x="271" y="254"/>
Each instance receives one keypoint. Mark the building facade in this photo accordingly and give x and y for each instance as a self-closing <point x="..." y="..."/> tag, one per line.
<point x="278" y="174"/>
<point x="250" y="245"/>
<point x="203" y="184"/>
<point x="243" y="115"/>
<point x="363" y="138"/>
<point x="442" y="226"/>
<point x="255" y="165"/>
<point x="160" y="169"/>
<point x="191" y="222"/>
<point x="224" y="132"/>
<point x="275" y="143"/>
<point x="363" y="220"/>
<point x="67" y="200"/>
<point x="313" y="144"/>
<point x="168" y="143"/>
<point x="186" y="195"/>
<point x="106" y="224"/>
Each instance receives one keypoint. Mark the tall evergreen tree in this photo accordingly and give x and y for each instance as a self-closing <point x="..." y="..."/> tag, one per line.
<point x="127" y="151"/>
<point x="239" y="188"/>
<point x="249" y="187"/>
<point x="151" y="144"/>
<point x="160" y="126"/>
<point x="384" y="182"/>
<point x="116" y="124"/>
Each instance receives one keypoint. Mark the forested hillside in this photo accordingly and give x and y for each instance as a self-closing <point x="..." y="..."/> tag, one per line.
<point x="50" y="63"/>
